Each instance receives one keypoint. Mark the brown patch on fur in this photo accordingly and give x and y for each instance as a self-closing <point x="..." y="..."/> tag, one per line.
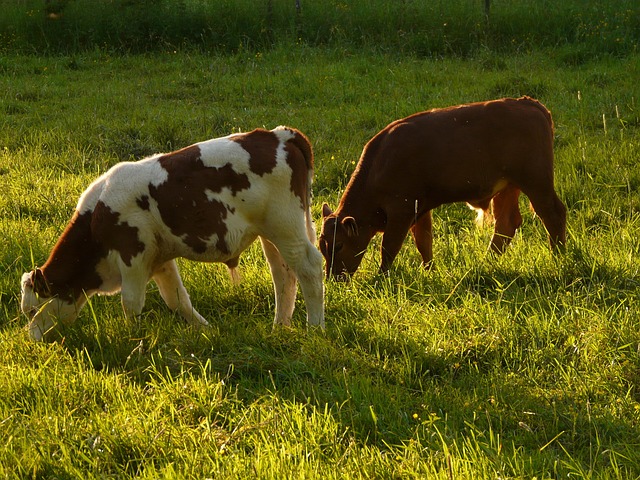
<point x="262" y="146"/>
<point x="143" y="202"/>
<point x="300" y="159"/>
<point x="114" y="235"/>
<point x="183" y="202"/>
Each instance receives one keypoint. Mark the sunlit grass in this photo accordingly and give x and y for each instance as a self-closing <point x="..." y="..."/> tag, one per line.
<point x="519" y="366"/>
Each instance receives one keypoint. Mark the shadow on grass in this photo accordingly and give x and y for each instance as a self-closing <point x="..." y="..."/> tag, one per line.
<point x="385" y="390"/>
<point x="384" y="386"/>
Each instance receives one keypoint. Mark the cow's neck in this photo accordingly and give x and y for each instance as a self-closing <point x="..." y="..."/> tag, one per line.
<point x="70" y="269"/>
<point x="358" y="201"/>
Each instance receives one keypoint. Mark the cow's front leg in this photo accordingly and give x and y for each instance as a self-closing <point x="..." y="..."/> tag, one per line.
<point x="553" y="214"/>
<point x="284" y="283"/>
<point x="174" y="294"/>
<point x="310" y="275"/>
<point x="133" y="290"/>
<point x="394" y="234"/>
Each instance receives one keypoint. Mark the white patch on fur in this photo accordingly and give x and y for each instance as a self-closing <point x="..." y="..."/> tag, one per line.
<point x="235" y="276"/>
<point x="220" y="151"/>
<point x="284" y="134"/>
<point x="129" y="181"/>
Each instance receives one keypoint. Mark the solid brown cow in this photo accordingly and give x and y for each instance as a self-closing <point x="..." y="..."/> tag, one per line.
<point x="207" y="202"/>
<point x="484" y="154"/>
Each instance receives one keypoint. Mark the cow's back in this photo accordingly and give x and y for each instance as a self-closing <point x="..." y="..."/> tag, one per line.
<point x="207" y="201"/>
<point x="458" y="145"/>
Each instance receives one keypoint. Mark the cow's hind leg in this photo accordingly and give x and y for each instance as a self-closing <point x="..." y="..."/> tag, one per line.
<point x="553" y="214"/>
<point x="422" y="232"/>
<point x="174" y="294"/>
<point x="284" y="283"/>
<point x="307" y="264"/>
<point x="302" y="260"/>
<point x="508" y="219"/>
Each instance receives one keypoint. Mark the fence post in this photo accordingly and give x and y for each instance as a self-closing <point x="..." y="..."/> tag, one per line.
<point x="298" y="21"/>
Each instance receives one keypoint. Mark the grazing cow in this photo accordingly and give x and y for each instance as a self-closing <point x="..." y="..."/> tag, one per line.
<point x="207" y="202"/>
<point x="484" y="154"/>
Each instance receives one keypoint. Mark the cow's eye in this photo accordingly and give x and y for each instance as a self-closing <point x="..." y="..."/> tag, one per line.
<point x="338" y="246"/>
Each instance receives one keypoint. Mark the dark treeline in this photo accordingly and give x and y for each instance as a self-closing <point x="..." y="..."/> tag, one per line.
<point x="420" y="27"/>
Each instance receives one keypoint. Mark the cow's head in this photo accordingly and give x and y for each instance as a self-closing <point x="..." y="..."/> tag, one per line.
<point x="341" y="244"/>
<point x="43" y="308"/>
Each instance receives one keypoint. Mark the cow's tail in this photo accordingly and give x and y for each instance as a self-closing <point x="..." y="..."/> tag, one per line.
<point x="301" y="142"/>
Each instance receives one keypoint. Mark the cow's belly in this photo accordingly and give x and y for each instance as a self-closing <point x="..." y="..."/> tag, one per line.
<point x="214" y="253"/>
<point x="475" y="192"/>
<point x="221" y="247"/>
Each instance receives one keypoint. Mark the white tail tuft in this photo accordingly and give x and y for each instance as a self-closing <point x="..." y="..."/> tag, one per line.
<point x="235" y="275"/>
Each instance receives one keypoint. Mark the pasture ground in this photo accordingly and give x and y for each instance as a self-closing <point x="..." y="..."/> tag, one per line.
<point x="523" y="366"/>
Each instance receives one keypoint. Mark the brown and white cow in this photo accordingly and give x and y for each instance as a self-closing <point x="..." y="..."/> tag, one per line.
<point x="207" y="202"/>
<point x="484" y="154"/>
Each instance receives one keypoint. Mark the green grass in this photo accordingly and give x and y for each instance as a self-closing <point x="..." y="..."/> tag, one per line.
<point x="421" y="27"/>
<point x="522" y="366"/>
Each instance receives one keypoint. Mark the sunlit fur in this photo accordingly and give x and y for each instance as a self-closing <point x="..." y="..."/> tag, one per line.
<point x="485" y="154"/>
<point x="134" y="221"/>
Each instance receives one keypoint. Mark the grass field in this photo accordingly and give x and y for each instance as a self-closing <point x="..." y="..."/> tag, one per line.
<point x="522" y="366"/>
<point x="419" y="27"/>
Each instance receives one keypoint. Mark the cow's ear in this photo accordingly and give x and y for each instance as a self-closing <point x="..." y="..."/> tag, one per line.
<point x="27" y="280"/>
<point x="350" y="225"/>
<point x="326" y="210"/>
<point x="39" y="283"/>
